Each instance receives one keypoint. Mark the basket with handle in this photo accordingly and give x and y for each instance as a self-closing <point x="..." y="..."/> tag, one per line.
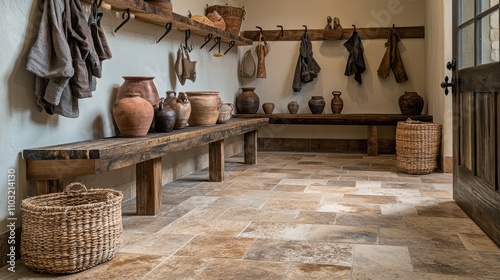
<point x="233" y="16"/>
<point x="417" y="146"/>
<point x="72" y="230"/>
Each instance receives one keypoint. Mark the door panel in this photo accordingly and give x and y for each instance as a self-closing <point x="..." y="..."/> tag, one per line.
<point x="485" y="139"/>
<point x="466" y="133"/>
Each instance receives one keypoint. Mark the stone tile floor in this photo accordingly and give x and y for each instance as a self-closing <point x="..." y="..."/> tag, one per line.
<point x="301" y="216"/>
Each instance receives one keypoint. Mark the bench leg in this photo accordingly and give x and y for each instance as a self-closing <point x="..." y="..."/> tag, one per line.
<point x="46" y="187"/>
<point x="216" y="161"/>
<point x="148" y="186"/>
<point x="250" y="147"/>
<point x="372" y="142"/>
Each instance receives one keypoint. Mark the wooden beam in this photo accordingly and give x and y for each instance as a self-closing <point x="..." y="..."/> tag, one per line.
<point x="148" y="187"/>
<point x="250" y="147"/>
<point x="372" y="141"/>
<point x="58" y="169"/>
<point x="216" y="161"/>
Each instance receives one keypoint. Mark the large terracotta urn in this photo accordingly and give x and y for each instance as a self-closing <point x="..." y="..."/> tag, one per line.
<point x="248" y="101"/>
<point x="133" y="115"/>
<point x="142" y="85"/>
<point x="205" y="108"/>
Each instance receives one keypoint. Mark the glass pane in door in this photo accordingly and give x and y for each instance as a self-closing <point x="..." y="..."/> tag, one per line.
<point x="489" y="39"/>
<point x="486" y="4"/>
<point x="466" y="46"/>
<point x="467" y="11"/>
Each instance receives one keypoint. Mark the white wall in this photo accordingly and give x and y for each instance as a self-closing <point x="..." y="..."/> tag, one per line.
<point x="373" y="96"/>
<point x="134" y="53"/>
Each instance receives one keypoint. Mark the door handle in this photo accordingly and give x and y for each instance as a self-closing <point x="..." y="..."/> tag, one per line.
<point x="451" y="65"/>
<point x="447" y="83"/>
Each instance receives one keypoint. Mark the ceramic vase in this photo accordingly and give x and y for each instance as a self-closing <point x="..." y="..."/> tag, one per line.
<point x="165" y="117"/>
<point x="268" y="107"/>
<point x="205" y="108"/>
<point x="142" y="85"/>
<point x="411" y="103"/>
<point x="337" y="102"/>
<point x="317" y="104"/>
<point x="225" y="112"/>
<point x="293" y="107"/>
<point x="133" y="115"/>
<point x="182" y="108"/>
<point x="247" y="101"/>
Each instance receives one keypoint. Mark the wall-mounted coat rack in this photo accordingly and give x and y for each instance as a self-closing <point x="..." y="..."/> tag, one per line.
<point x="318" y="34"/>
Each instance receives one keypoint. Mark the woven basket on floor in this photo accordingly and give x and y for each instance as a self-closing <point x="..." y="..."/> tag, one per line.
<point x="417" y="146"/>
<point x="71" y="231"/>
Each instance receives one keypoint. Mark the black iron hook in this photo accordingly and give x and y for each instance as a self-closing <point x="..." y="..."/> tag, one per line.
<point x="168" y="28"/>
<point x="282" y="32"/>
<point x="231" y="45"/>
<point x="217" y="42"/>
<point x="260" y="28"/>
<point x="98" y="4"/>
<point x="305" y="26"/>
<point x="127" y="12"/>
<point x="354" y="27"/>
<point x="208" y="38"/>
<point x="186" y="38"/>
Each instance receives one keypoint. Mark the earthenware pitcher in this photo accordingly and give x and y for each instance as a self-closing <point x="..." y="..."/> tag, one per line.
<point x="337" y="102"/>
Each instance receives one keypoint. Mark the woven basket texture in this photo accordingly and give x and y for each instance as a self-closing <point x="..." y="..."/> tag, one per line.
<point x="71" y="231"/>
<point x="417" y="146"/>
<point x="233" y="16"/>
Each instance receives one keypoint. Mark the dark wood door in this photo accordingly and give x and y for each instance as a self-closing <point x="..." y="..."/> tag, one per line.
<point x="476" y="112"/>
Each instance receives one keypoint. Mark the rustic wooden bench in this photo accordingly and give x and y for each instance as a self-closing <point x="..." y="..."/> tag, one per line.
<point x="48" y="165"/>
<point x="370" y="120"/>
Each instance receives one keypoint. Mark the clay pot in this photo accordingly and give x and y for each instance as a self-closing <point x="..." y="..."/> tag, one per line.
<point x="142" y="85"/>
<point x="337" y="102"/>
<point x="165" y="117"/>
<point x="205" y="108"/>
<point x="268" y="107"/>
<point x="293" y="107"/>
<point x="248" y="101"/>
<point x="170" y="95"/>
<point x="317" y="104"/>
<point x="182" y="108"/>
<point x="133" y="115"/>
<point x="225" y="112"/>
<point x="411" y="103"/>
<point x="165" y="4"/>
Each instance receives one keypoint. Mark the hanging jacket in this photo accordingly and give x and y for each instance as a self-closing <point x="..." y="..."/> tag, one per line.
<point x="307" y="68"/>
<point x="101" y="45"/>
<point x="392" y="59"/>
<point x="356" y="60"/>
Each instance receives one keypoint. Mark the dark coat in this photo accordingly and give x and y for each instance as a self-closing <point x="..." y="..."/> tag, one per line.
<point x="392" y="59"/>
<point x="307" y="68"/>
<point x="355" y="61"/>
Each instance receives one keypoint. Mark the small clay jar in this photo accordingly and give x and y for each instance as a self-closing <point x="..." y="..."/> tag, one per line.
<point x="293" y="107"/>
<point x="337" y="102"/>
<point x="165" y="117"/>
<point x="170" y="95"/>
<point x="317" y="104"/>
<point x="182" y="108"/>
<point x="248" y="101"/>
<point x="411" y="103"/>
<point x="268" y="107"/>
<point x="133" y="115"/>
<point x="225" y="112"/>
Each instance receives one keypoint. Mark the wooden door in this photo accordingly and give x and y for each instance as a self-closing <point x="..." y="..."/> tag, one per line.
<point x="476" y="112"/>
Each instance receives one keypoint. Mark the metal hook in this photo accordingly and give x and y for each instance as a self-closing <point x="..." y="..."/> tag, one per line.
<point x="189" y="14"/>
<point x="231" y="45"/>
<point x="260" y="28"/>
<point x="354" y="27"/>
<point x="217" y="42"/>
<point x="208" y="38"/>
<point x="305" y="26"/>
<point x="127" y="12"/>
<point x="98" y="4"/>
<point x="168" y="28"/>
<point x="186" y="38"/>
<point x="282" y="32"/>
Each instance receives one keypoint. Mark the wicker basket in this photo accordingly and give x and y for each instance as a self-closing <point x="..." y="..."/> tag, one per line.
<point x="233" y="16"/>
<point x="71" y="231"/>
<point x="417" y="146"/>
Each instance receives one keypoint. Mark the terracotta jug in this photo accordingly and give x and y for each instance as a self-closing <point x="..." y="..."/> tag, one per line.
<point x="182" y="108"/>
<point x="225" y="112"/>
<point x="165" y="117"/>
<point x="133" y="115"/>
<point x="248" y="101"/>
<point x="337" y="102"/>
<point x="293" y="107"/>
<point x="142" y="85"/>
<point x="317" y="104"/>
<point x="411" y="103"/>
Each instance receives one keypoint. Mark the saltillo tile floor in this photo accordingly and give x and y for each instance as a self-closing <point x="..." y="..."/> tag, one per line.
<point x="301" y="216"/>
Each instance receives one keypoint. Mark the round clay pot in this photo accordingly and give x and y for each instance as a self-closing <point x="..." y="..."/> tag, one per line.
<point x="133" y="115"/>
<point x="142" y="85"/>
<point x="317" y="104"/>
<point x="165" y="4"/>
<point x="248" y="101"/>
<point x="293" y="107"/>
<point x="411" y="103"/>
<point x="170" y="95"/>
<point x="225" y="112"/>
<point x="268" y="107"/>
<point x="182" y="108"/>
<point x="165" y="117"/>
<point x="205" y="108"/>
<point x="337" y="102"/>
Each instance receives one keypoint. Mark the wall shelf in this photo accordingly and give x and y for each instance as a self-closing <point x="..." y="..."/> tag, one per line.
<point x="317" y="34"/>
<point x="158" y="16"/>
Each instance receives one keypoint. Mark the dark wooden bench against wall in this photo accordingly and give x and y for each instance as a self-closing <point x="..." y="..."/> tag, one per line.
<point x="48" y="165"/>
<point x="369" y="120"/>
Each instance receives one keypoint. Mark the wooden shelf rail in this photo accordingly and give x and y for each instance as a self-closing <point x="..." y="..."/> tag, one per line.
<point x="159" y="16"/>
<point x="318" y="34"/>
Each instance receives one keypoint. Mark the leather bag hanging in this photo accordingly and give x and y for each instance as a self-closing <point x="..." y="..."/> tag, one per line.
<point x="262" y="50"/>
<point x="247" y="67"/>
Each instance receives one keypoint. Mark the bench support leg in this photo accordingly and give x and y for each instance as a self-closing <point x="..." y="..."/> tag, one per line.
<point x="250" y="147"/>
<point x="46" y="187"/>
<point x="372" y="142"/>
<point x="148" y="186"/>
<point x="216" y="161"/>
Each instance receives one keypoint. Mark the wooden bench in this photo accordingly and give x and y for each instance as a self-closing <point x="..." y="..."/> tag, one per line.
<point x="370" y="120"/>
<point x="47" y="165"/>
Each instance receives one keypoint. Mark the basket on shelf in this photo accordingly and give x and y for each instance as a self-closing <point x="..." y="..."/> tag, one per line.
<point x="417" y="146"/>
<point x="72" y="230"/>
<point x="233" y="16"/>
